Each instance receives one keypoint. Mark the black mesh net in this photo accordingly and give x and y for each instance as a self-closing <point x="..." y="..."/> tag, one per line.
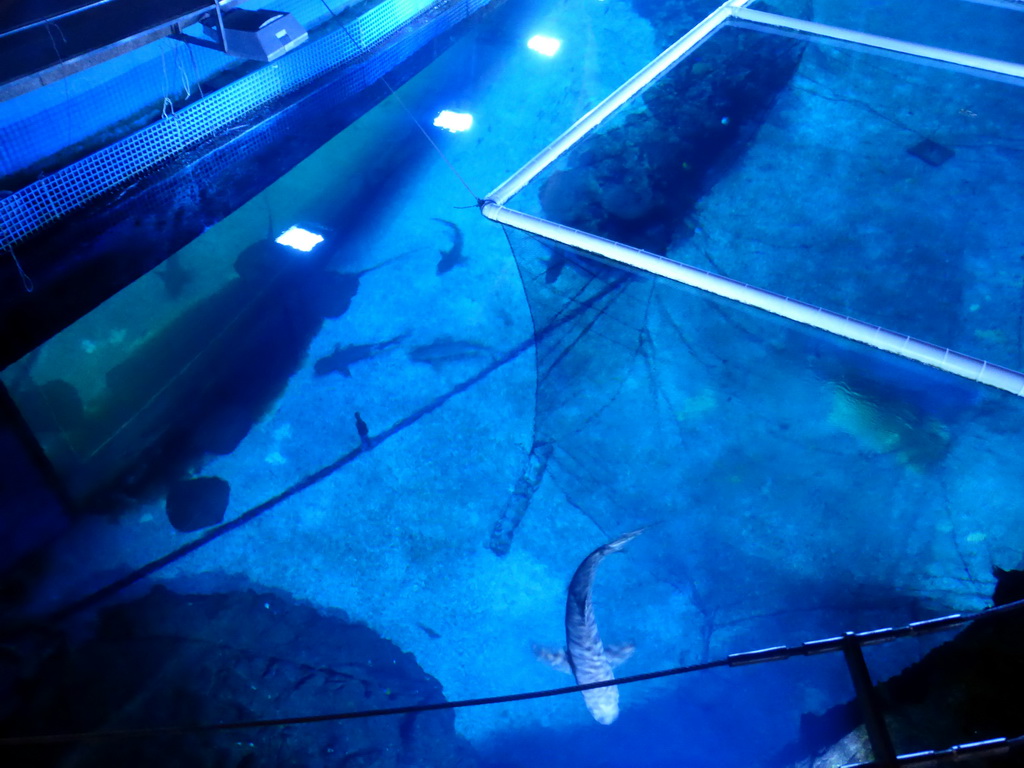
<point x="794" y="472"/>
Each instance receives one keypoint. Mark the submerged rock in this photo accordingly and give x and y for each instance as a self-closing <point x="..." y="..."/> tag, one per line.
<point x="222" y="430"/>
<point x="197" y="503"/>
<point x="178" y="660"/>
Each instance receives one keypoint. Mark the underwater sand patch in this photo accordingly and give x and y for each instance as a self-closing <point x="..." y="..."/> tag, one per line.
<point x="698" y="405"/>
<point x="884" y="422"/>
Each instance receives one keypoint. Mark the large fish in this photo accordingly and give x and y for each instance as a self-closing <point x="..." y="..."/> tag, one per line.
<point x="448" y="350"/>
<point x="342" y="358"/>
<point x="584" y="655"/>
<point x="453" y="256"/>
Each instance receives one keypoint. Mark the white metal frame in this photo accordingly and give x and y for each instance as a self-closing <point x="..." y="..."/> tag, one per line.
<point x="494" y="206"/>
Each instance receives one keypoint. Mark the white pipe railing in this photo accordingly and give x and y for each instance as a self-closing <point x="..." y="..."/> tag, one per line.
<point x="879" y="42"/>
<point x="618" y="97"/>
<point x="493" y="207"/>
<point x="807" y="314"/>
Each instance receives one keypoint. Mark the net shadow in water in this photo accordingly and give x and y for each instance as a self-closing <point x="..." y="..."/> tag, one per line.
<point x="803" y="484"/>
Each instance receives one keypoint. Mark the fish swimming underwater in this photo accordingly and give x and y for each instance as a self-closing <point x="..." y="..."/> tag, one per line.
<point x="453" y="256"/>
<point x="174" y="277"/>
<point x="448" y="350"/>
<point x="342" y="357"/>
<point x="585" y="656"/>
<point x="555" y="264"/>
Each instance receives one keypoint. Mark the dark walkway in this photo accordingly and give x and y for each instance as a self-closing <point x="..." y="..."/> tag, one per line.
<point x="37" y="49"/>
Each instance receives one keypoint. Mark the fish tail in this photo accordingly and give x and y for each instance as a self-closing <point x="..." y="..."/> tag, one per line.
<point x="624" y="539"/>
<point x="456" y="233"/>
<point x="381" y="265"/>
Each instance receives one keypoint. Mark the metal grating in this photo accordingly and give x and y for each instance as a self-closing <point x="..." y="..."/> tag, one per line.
<point x="127" y="92"/>
<point x="46" y="200"/>
<point x="120" y="94"/>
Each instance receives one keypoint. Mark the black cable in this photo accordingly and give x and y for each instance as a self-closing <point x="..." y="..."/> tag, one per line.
<point x="59" y="738"/>
<point x="104" y="593"/>
<point x="733" y="660"/>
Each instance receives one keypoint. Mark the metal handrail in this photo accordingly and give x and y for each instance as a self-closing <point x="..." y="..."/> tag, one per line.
<point x="972" y="750"/>
<point x="81" y="9"/>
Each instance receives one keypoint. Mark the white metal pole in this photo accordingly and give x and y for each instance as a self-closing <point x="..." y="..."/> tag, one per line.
<point x="847" y="327"/>
<point x="618" y="97"/>
<point x="884" y="43"/>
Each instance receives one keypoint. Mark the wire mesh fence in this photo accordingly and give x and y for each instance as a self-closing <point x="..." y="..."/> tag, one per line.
<point x="44" y="201"/>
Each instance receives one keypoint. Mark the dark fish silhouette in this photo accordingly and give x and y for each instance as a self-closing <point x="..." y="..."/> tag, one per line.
<point x="174" y="277"/>
<point x="364" y="433"/>
<point x="448" y="350"/>
<point x="584" y="655"/>
<point x="453" y="256"/>
<point x="187" y="392"/>
<point x="561" y="258"/>
<point x="431" y="633"/>
<point x="555" y="266"/>
<point x="340" y="360"/>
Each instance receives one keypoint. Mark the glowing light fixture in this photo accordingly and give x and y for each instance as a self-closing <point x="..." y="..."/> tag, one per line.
<point x="544" y="45"/>
<point x="456" y="122"/>
<point x="300" y="239"/>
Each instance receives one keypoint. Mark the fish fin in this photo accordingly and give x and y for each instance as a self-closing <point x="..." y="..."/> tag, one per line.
<point x="624" y="539"/>
<point x="344" y="371"/>
<point x="433" y="634"/>
<point x="556" y="659"/>
<point x="616" y="654"/>
<point x="382" y="346"/>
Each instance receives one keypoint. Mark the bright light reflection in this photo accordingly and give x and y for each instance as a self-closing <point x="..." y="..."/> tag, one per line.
<point x="546" y="46"/>
<point x="456" y="122"/>
<point x="300" y="239"/>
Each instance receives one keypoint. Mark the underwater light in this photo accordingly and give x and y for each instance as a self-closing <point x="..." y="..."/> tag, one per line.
<point x="300" y="239"/>
<point x="544" y="45"/>
<point x="456" y="122"/>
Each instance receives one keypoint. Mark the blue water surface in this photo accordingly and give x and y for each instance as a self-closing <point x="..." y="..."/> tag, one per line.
<point x="797" y="486"/>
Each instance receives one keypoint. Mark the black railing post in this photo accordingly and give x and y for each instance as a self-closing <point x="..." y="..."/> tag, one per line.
<point x="874" y="721"/>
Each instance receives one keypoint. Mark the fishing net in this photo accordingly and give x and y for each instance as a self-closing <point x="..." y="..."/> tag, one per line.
<point x="804" y="482"/>
<point x="794" y="474"/>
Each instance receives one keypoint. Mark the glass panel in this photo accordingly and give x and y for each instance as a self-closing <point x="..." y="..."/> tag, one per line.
<point x="872" y="186"/>
<point x="990" y="28"/>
